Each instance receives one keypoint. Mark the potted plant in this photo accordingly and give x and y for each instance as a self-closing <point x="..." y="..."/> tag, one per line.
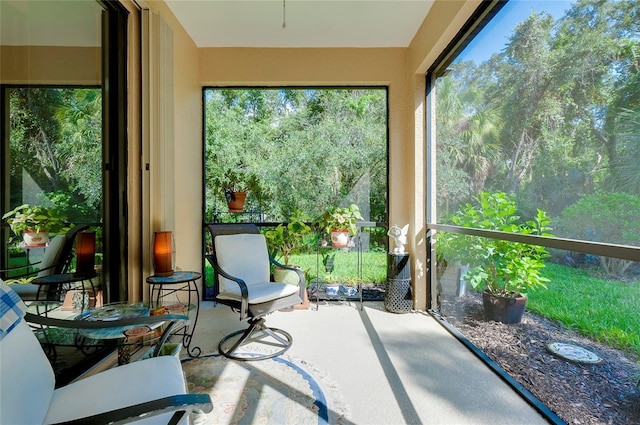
<point x="331" y="286"/>
<point x="504" y="271"/>
<point x="236" y="186"/>
<point x="35" y="223"/>
<point x="284" y="241"/>
<point x="340" y="223"/>
<point x="349" y="287"/>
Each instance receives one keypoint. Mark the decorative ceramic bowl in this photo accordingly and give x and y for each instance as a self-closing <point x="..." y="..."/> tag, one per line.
<point x="332" y="289"/>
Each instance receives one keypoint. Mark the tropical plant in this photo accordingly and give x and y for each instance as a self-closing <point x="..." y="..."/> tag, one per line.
<point x="340" y="218"/>
<point x="36" y="218"/>
<point x="287" y="239"/>
<point x="500" y="267"/>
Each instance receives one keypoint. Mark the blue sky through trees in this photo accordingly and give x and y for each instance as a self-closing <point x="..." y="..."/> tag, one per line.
<point x="496" y="34"/>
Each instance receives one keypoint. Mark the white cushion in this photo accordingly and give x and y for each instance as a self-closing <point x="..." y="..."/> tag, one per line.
<point x="51" y="255"/>
<point x="244" y="256"/>
<point x="26" y="378"/>
<point x="27" y="381"/>
<point x="261" y="292"/>
<point x="126" y="385"/>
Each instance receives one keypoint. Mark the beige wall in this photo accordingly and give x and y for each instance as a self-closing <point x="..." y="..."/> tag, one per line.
<point x="402" y="70"/>
<point x="334" y="67"/>
<point x="184" y="146"/>
<point x="50" y="65"/>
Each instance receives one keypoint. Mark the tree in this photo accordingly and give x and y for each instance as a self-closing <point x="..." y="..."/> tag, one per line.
<point x="56" y="139"/>
<point x="307" y="148"/>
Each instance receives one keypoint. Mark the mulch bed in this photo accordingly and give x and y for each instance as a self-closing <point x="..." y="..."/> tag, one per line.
<point x="603" y="393"/>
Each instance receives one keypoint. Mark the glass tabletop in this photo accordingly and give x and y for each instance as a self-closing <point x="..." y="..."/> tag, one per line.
<point x="118" y="335"/>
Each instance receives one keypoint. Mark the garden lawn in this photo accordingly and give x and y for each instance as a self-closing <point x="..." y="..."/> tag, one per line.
<point x="374" y="266"/>
<point x="603" y="310"/>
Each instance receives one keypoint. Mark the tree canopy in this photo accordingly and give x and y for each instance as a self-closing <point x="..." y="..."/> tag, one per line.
<point x="552" y="116"/>
<point x="297" y="149"/>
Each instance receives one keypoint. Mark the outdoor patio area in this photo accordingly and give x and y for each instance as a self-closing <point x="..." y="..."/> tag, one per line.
<point x="387" y="368"/>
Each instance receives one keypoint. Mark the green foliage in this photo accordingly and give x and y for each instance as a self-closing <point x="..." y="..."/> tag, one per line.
<point x="306" y="148"/>
<point x="604" y="217"/>
<point x="601" y="309"/>
<point x="56" y="138"/>
<point x="37" y="218"/>
<point x="500" y="267"/>
<point x="340" y="218"/>
<point x="285" y="240"/>
<point x="551" y="116"/>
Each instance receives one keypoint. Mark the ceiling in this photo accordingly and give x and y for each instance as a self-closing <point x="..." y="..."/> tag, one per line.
<point x="229" y="23"/>
<point x="307" y="23"/>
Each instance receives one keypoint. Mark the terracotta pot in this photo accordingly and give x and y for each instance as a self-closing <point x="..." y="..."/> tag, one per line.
<point x="31" y="238"/>
<point x="235" y="201"/>
<point x="305" y="302"/>
<point x="339" y="238"/>
<point x="507" y="310"/>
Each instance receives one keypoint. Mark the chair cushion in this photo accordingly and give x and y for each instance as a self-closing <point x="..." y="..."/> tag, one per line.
<point x="26" y="378"/>
<point x="244" y="256"/>
<point x="52" y="255"/>
<point x="261" y="292"/>
<point x="125" y="385"/>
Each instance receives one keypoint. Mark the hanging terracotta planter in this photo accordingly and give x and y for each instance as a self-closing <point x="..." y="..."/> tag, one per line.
<point x="235" y="200"/>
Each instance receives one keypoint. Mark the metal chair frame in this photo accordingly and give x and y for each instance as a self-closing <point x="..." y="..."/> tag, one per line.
<point x="254" y="312"/>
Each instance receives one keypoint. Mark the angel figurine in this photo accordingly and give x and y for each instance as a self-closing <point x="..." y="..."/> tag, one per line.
<point x="399" y="238"/>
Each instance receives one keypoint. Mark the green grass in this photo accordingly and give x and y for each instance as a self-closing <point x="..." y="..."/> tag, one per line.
<point x="606" y="311"/>
<point x="374" y="266"/>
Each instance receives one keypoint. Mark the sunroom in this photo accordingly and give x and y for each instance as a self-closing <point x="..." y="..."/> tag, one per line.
<point x="567" y="141"/>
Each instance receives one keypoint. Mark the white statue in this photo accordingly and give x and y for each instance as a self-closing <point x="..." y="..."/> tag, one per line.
<point x="399" y="238"/>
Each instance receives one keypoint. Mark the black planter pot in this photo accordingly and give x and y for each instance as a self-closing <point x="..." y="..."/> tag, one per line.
<point x="507" y="310"/>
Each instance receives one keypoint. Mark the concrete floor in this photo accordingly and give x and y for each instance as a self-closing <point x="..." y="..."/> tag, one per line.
<point x="390" y="368"/>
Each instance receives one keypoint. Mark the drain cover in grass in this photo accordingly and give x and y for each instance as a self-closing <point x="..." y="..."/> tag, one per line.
<point x="573" y="352"/>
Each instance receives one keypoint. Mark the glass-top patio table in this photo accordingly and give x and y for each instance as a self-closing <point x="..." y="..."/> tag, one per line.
<point x="118" y="325"/>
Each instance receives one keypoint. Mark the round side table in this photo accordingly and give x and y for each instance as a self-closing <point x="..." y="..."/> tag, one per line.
<point x="184" y="282"/>
<point x="61" y="283"/>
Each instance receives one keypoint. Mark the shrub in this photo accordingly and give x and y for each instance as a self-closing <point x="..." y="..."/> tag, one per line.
<point x="501" y="267"/>
<point x="604" y="217"/>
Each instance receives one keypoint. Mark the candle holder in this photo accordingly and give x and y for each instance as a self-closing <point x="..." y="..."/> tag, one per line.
<point x="85" y="253"/>
<point x="163" y="253"/>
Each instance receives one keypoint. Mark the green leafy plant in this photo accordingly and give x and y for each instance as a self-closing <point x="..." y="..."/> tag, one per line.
<point x="285" y="240"/>
<point x="500" y="267"/>
<point x="328" y="262"/>
<point x="239" y="179"/>
<point x="36" y="218"/>
<point x="340" y="218"/>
